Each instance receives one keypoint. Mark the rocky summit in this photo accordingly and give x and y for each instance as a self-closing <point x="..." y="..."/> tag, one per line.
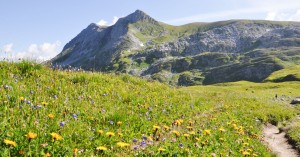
<point x="191" y="54"/>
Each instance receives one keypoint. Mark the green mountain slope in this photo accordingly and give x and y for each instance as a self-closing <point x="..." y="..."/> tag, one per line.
<point x="141" y="46"/>
<point x="291" y="73"/>
<point x="67" y="113"/>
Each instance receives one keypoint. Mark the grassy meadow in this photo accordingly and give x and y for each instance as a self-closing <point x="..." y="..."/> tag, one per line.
<point x="45" y="112"/>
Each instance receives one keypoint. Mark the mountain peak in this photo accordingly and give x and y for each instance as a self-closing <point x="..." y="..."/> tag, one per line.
<point x="139" y="15"/>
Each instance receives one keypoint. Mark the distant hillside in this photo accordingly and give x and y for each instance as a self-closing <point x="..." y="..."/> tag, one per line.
<point x="191" y="54"/>
<point x="291" y="73"/>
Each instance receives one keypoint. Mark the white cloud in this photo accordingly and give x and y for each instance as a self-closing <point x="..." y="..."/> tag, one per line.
<point x="272" y="9"/>
<point x="295" y="17"/>
<point x="284" y="16"/>
<point x="271" y="15"/>
<point x="7" y="48"/>
<point x="115" y="19"/>
<point x="102" y="23"/>
<point x="36" y="52"/>
<point x="105" y="23"/>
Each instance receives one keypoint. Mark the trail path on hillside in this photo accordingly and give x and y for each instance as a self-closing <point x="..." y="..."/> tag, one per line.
<point x="278" y="143"/>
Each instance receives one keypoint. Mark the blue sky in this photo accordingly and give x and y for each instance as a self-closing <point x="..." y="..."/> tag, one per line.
<point x="40" y="29"/>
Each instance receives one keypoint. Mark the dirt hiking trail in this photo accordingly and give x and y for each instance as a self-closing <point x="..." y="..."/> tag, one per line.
<point x="277" y="142"/>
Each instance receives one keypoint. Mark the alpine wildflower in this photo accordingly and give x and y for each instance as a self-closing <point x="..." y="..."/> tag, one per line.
<point x="56" y="136"/>
<point x="100" y="132"/>
<point x="161" y="149"/>
<point x="101" y="148"/>
<point x="21" y="99"/>
<point x="9" y="142"/>
<point x="51" y="116"/>
<point x="110" y="134"/>
<point x="207" y="132"/>
<point x="177" y="133"/>
<point x="31" y="135"/>
<point x="123" y="144"/>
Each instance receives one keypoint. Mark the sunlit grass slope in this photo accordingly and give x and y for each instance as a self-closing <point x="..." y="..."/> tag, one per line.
<point x="63" y="113"/>
<point x="291" y="73"/>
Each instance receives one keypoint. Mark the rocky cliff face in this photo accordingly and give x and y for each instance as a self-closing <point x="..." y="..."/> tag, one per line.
<point x="199" y="53"/>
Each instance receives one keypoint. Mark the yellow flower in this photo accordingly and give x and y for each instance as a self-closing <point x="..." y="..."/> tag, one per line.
<point x="222" y="129"/>
<point x="177" y="133"/>
<point x="161" y="149"/>
<point x="123" y="144"/>
<point x="44" y="103"/>
<point x="9" y="142"/>
<point x="221" y="139"/>
<point x="192" y="133"/>
<point x="189" y="127"/>
<point x="56" y="136"/>
<point x="47" y="155"/>
<point x="102" y="148"/>
<point x="75" y="150"/>
<point x="21" y="98"/>
<point x="22" y="152"/>
<point x="100" y="132"/>
<point x="150" y="138"/>
<point x="246" y="153"/>
<point x="197" y="139"/>
<point x="166" y="127"/>
<point x="155" y="128"/>
<point x="186" y="135"/>
<point x="119" y="123"/>
<point x="178" y="122"/>
<point x="249" y="150"/>
<point x="109" y="134"/>
<point x="186" y="150"/>
<point x="51" y="116"/>
<point x="120" y="134"/>
<point x="31" y="135"/>
<point x="254" y="154"/>
<point x="207" y="132"/>
<point x="245" y="143"/>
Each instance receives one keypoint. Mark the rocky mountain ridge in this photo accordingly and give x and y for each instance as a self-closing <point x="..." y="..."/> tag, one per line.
<point x="197" y="53"/>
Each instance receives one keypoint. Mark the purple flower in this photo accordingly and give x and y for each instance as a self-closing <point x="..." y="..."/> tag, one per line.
<point x="21" y="106"/>
<point x="134" y="140"/>
<point x="38" y="106"/>
<point x="144" y="137"/>
<point x="149" y="118"/>
<point x="28" y="102"/>
<point x="143" y="143"/>
<point x="74" y="115"/>
<point x="62" y="124"/>
<point x="91" y="138"/>
<point x="111" y="122"/>
<point x="135" y="148"/>
<point x="31" y="92"/>
<point x="54" y="96"/>
<point x="180" y="145"/>
<point x="5" y="86"/>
